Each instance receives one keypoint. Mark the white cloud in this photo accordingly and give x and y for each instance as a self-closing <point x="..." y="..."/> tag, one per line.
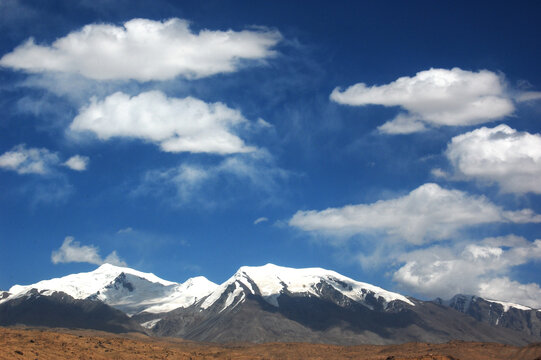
<point x="438" y="173"/>
<point x="471" y="268"/>
<point x="39" y="161"/>
<point x="25" y="160"/>
<point x="125" y="230"/>
<point x="186" y="179"/>
<point x="144" y="50"/>
<point x="502" y="155"/>
<point x="260" y="220"/>
<point x="512" y="291"/>
<point x="77" y="162"/>
<point x="114" y="259"/>
<point x="434" y="97"/>
<point x="263" y="124"/>
<point x="426" y="214"/>
<point x="529" y="96"/>
<point x="73" y="251"/>
<point x="403" y="124"/>
<point x="55" y="190"/>
<point x="177" y="125"/>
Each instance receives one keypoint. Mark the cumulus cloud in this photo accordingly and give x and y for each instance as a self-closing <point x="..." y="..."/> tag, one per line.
<point x="25" y="160"/>
<point x="176" y="125"/>
<point x="502" y="155"/>
<point x="471" y="268"/>
<point x="77" y="163"/>
<point x="260" y="220"/>
<point x="512" y="291"/>
<point x="426" y="214"/>
<point x="144" y="50"/>
<point x="73" y="251"/>
<point x="434" y="97"/>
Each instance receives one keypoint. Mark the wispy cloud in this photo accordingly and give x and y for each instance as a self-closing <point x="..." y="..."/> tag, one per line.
<point x="125" y="230"/>
<point x="211" y="185"/>
<point x="144" y="50"/>
<point x="260" y="220"/>
<point x="528" y="96"/>
<point x="434" y="97"/>
<point x="73" y="251"/>
<point x="51" y="191"/>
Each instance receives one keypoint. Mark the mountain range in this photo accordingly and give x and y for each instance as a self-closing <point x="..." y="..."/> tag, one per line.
<point x="262" y="304"/>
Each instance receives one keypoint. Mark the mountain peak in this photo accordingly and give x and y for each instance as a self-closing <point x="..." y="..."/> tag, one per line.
<point x="199" y="280"/>
<point x="124" y="288"/>
<point x="313" y="301"/>
<point x="117" y="270"/>
<point x="270" y="281"/>
<point x="106" y="266"/>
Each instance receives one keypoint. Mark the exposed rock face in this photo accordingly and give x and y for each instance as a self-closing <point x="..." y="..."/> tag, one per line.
<point x="498" y="314"/>
<point x="263" y="304"/>
<point x="244" y="309"/>
<point x="58" y="309"/>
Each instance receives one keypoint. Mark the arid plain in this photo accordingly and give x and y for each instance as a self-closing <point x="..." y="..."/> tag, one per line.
<point x="19" y="343"/>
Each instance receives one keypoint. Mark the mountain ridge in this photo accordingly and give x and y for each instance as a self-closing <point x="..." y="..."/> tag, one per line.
<point x="497" y="313"/>
<point x="58" y="309"/>
<point x="124" y="288"/>
<point x="274" y="303"/>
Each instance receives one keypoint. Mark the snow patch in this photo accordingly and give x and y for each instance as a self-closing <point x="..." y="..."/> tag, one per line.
<point x="508" y="305"/>
<point x="184" y="295"/>
<point x="150" y="324"/>
<point x="233" y="295"/>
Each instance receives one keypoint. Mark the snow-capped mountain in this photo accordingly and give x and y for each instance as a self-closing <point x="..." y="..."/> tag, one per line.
<point x="497" y="313"/>
<point x="262" y="304"/>
<point x="271" y="281"/>
<point x="272" y="303"/>
<point x="463" y="303"/>
<point x="128" y="290"/>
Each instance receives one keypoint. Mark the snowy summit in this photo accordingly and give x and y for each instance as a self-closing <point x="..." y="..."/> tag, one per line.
<point x="127" y="289"/>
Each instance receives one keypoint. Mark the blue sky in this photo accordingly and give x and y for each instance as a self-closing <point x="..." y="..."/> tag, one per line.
<point x="396" y="143"/>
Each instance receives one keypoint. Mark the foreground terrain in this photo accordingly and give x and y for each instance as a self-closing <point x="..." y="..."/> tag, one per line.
<point x="16" y="343"/>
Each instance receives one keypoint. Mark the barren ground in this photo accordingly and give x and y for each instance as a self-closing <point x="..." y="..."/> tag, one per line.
<point x="18" y="343"/>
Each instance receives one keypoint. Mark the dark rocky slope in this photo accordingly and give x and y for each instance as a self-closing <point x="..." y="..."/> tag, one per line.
<point x="61" y="310"/>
